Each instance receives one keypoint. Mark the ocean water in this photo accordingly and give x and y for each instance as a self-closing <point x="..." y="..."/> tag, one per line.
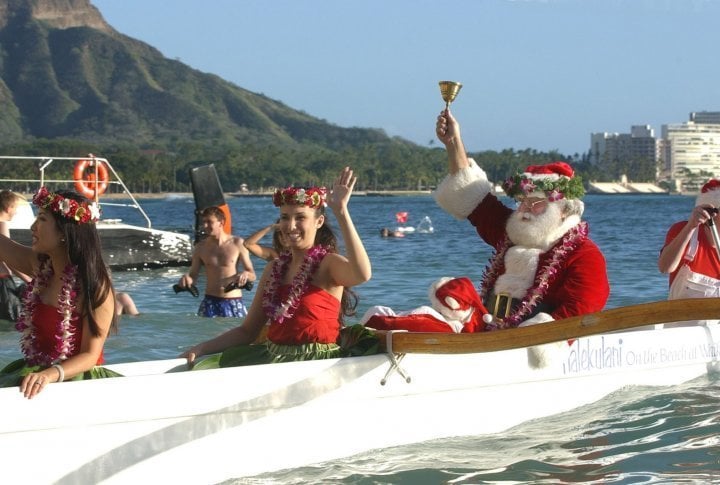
<point x="637" y="435"/>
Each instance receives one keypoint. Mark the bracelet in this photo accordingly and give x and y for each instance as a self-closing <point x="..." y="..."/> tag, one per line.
<point x="61" y="371"/>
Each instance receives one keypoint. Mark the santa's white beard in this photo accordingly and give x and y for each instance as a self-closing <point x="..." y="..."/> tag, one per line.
<point x="538" y="231"/>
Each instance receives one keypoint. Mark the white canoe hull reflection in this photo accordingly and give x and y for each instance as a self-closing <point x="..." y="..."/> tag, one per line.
<point x="213" y="425"/>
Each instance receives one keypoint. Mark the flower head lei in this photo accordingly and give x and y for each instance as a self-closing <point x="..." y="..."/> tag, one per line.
<point x="544" y="277"/>
<point x="276" y="310"/>
<point x="313" y="197"/>
<point x="557" y="180"/>
<point x="66" y="336"/>
<point x="79" y="212"/>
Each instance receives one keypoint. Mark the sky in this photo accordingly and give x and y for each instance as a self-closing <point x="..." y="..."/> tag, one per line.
<point x="538" y="74"/>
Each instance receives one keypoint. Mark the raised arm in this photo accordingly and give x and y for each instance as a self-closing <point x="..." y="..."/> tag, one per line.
<point x="673" y="252"/>
<point x="252" y="244"/>
<point x="19" y="258"/>
<point x="448" y="132"/>
<point x="355" y="268"/>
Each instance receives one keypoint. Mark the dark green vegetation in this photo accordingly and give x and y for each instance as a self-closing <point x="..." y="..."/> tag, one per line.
<point x="72" y="90"/>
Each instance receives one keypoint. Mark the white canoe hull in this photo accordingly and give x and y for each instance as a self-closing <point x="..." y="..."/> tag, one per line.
<point x="214" y="425"/>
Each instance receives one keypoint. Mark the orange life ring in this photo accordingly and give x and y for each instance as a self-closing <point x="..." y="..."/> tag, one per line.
<point x="85" y="182"/>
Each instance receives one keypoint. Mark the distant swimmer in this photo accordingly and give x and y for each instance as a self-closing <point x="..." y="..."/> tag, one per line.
<point x="385" y="232"/>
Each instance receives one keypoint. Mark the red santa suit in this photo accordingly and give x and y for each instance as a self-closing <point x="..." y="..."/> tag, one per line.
<point x="565" y="277"/>
<point x="456" y="307"/>
<point x="698" y="274"/>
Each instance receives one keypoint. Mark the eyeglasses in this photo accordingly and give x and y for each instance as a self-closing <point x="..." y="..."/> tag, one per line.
<point x="531" y="205"/>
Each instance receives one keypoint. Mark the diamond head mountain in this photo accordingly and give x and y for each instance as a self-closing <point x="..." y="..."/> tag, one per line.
<point x="71" y="84"/>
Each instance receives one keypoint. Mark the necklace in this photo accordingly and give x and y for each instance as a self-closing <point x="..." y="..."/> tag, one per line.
<point x="66" y="329"/>
<point x="537" y="292"/>
<point x="279" y="311"/>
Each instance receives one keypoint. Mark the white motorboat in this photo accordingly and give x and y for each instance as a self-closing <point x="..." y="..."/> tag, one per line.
<point x="125" y="246"/>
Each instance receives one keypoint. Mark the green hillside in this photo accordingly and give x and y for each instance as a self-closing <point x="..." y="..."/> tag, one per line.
<point x="70" y="85"/>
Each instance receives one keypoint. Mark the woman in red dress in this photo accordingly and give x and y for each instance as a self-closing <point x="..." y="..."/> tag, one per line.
<point x="69" y="306"/>
<point x="304" y="293"/>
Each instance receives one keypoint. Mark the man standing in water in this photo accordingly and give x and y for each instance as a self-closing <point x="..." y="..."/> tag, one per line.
<point x="545" y="267"/>
<point x="227" y="262"/>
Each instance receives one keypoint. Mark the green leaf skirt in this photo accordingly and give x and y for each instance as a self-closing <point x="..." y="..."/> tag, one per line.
<point x="13" y="373"/>
<point x="355" y="340"/>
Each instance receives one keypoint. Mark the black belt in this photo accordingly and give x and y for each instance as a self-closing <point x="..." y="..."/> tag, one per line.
<point x="501" y="305"/>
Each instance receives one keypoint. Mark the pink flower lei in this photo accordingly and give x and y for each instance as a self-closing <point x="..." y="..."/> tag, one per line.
<point x="536" y="293"/>
<point x="66" y="332"/>
<point x="279" y="311"/>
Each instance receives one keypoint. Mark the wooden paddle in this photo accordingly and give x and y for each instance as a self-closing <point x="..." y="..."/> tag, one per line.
<point x="569" y="328"/>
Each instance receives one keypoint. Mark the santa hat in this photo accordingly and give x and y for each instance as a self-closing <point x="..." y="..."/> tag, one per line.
<point x="554" y="180"/>
<point x="457" y="299"/>
<point x="709" y="194"/>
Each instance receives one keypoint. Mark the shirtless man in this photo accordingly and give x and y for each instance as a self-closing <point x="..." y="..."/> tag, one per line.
<point x="222" y="255"/>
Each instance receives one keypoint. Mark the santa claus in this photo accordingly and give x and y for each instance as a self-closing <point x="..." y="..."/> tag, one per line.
<point x="544" y="267"/>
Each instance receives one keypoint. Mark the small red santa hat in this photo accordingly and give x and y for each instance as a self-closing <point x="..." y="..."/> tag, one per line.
<point x="709" y="194"/>
<point x="456" y="299"/>
<point x="550" y="171"/>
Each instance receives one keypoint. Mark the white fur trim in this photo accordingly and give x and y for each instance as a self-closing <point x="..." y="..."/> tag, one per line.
<point x="545" y="176"/>
<point x="537" y="319"/>
<point x="434" y="301"/>
<point x="543" y="356"/>
<point x="460" y="193"/>
<point x="711" y="197"/>
<point x="520" y="268"/>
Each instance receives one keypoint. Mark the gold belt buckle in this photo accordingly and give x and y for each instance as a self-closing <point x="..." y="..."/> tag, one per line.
<point x="502" y="300"/>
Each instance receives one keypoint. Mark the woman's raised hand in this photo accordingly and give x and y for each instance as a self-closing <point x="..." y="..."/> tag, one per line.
<point x="341" y="190"/>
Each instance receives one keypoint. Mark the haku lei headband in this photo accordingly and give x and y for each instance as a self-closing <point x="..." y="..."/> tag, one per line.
<point x="313" y="197"/>
<point x="556" y="180"/>
<point x="80" y="212"/>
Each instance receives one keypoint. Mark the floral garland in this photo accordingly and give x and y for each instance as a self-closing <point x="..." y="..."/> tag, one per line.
<point x="537" y="292"/>
<point x="276" y="311"/>
<point x="80" y="212"/>
<point x="521" y="185"/>
<point x="65" y="334"/>
<point x="313" y="197"/>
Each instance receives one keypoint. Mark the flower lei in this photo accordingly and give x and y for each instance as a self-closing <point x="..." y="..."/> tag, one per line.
<point x="65" y="334"/>
<point x="313" y="197"/>
<point x="279" y="311"/>
<point x="537" y="292"/>
<point x="80" y="212"/>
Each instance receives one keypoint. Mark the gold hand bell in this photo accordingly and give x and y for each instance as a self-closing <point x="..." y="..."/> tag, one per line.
<point x="449" y="91"/>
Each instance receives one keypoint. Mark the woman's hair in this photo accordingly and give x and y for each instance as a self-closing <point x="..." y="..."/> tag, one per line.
<point x="326" y="237"/>
<point x="84" y="249"/>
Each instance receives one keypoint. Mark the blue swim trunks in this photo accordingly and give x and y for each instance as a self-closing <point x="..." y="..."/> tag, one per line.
<point x="214" y="306"/>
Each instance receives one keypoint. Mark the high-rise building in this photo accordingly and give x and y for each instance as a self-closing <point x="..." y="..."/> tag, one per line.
<point x="640" y="143"/>
<point x="691" y="150"/>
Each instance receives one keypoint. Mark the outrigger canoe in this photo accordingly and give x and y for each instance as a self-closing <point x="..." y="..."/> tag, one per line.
<point x="162" y="421"/>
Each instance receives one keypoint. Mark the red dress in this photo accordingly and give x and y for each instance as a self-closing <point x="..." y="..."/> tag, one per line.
<point x="316" y="320"/>
<point x="45" y="320"/>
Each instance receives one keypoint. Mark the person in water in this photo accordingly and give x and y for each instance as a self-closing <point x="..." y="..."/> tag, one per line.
<point x="69" y="305"/>
<point x="226" y="263"/>
<point x="10" y="293"/>
<point x="545" y="266"/>
<point x="303" y="294"/>
<point x="252" y="243"/>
